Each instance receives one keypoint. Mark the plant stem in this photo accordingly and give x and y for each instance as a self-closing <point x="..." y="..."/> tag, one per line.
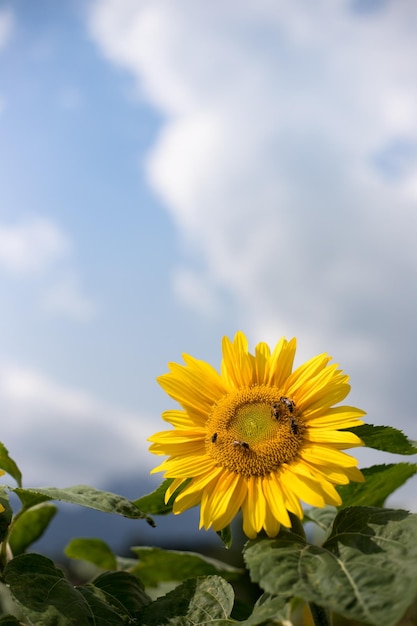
<point x="320" y="616"/>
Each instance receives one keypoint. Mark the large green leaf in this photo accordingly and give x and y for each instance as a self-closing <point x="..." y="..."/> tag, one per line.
<point x="268" y="610"/>
<point x="199" y="601"/>
<point x="381" y="481"/>
<point x="30" y="526"/>
<point x="103" y="613"/>
<point x="323" y="518"/>
<point x="84" y="496"/>
<point x="92" y="550"/>
<point x="43" y="594"/>
<point x="154" y="503"/>
<point x="385" y="438"/>
<point x="156" y="565"/>
<point x="123" y="589"/>
<point x="9" y="466"/>
<point x="48" y="599"/>
<point x="364" y="571"/>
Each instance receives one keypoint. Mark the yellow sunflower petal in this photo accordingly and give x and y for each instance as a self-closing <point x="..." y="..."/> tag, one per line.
<point x="191" y="494"/>
<point x="304" y="372"/>
<point x="177" y="482"/>
<point x="322" y="455"/>
<point x="262" y="356"/>
<point x="185" y="467"/>
<point x="237" y="495"/>
<point x="323" y="435"/>
<point x="237" y="363"/>
<point x="178" y="437"/>
<point x="281" y="362"/>
<point x="253" y="508"/>
<point x="336" y="417"/>
<point x="179" y="419"/>
<point x="192" y="385"/>
<point x="220" y="507"/>
<point x="271" y="524"/>
<point x="275" y="499"/>
<point x="326" y="398"/>
<point x="292" y="502"/>
<point x="303" y="487"/>
<point x="187" y="448"/>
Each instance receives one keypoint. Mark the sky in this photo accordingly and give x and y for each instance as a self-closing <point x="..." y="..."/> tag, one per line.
<point x="172" y="172"/>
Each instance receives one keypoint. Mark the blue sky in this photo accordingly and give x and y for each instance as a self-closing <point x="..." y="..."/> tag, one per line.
<point x="173" y="172"/>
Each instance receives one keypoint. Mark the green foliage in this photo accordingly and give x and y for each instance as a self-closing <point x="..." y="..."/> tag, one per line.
<point x="122" y="589"/>
<point x="364" y="568"/>
<point x="154" y="502"/>
<point x="385" y="438"/>
<point x="5" y="516"/>
<point x="207" y="600"/>
<point x="226" y="536"/>
<point x="48" y="599"/>
<point x="30" y="526"/>
<point x="323" y="518"/>
<point x="94" y="551"/>
<point x="84" y="496"/>
<point x="42" y="592"/>
<point x="364" y="571"/>
<point x="269" y="610"/>
<point x="8" y="465"/>
<point x="9" y="620"/>
<point x="381" y="481"/>
<point x="156" y="565"/>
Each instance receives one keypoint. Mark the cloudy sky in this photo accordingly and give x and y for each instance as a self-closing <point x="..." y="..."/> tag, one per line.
<point x="171" y="172"/>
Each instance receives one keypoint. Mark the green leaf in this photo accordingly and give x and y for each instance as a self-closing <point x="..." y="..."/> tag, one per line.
<point x="124" y="589"/>
<point x="154" y="502"/>
<point x="48" y="599"/>
<point x="28" y="497"/>
<point x="207" y="600"/>
<point x="94" y="551"/>
<point x="9" y="466"/>
<point x="385" y="438"/>
<point x="43" y="594"/>
<point x="156" y="565"/>
<point x="381" y="481"/>
<point x="9" y="620"/>
<point x="323" y="518"/>
<point x="99" y="607"/>
<point x="6" y="515"/>
<point x="226" y="536"/>
<point x="364" y="571"/>
<point x="269" y="610"/>
<point x="29" y="526"/>
<point x="84" y="496"/>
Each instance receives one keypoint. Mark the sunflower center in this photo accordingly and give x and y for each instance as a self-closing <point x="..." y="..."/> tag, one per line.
<point x="253" y="430"/>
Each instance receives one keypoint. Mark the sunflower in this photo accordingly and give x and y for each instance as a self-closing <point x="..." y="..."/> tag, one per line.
<point x="258" y="437"/>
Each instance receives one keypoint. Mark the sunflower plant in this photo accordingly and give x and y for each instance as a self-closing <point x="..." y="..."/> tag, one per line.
<point x="260" y="448"/>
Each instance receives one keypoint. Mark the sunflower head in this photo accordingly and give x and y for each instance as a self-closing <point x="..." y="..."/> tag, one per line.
<point x="257" y="437"/>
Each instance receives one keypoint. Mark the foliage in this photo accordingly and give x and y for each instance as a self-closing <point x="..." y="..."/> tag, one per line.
<point x="363" y="570"/>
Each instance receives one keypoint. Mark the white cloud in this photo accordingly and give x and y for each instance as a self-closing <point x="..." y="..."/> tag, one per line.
<point x="277" y="117"/>
<point x="36" y="248"/>
<point x="31" y="245"/>
<point x="66" y="297"/>
<point x="196" y="291"/>
<point x="68" y="436"/>
<point x="273" y="115"/>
